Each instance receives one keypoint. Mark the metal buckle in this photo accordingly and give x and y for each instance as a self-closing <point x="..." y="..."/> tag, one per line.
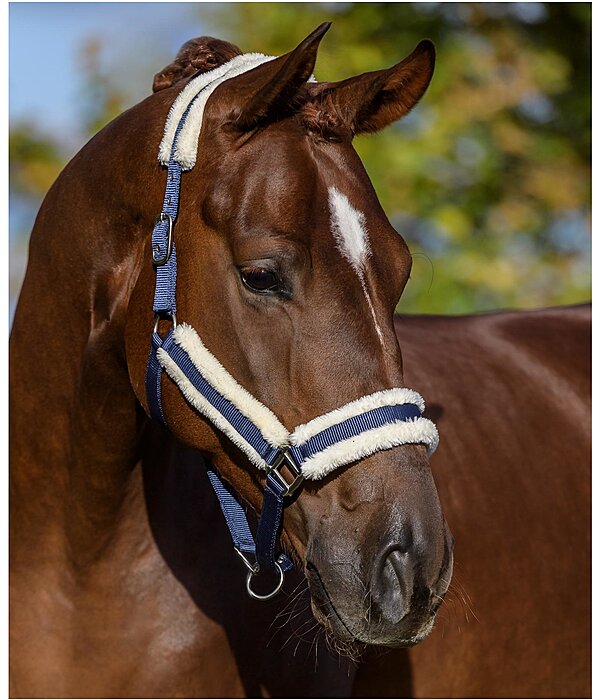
<point x="289" y="488"/>
<point x="163" y="216"/>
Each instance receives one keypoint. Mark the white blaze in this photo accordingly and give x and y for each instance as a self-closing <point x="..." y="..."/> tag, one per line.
<point x="349" y="228"/>
<point x="350" y="231"/>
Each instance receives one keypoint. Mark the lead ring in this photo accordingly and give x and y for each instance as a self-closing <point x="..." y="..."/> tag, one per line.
<point x="273" y="593"/>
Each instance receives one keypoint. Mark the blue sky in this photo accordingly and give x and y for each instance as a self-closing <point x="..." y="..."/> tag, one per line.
<point x="45" y="79"/>
<point x="45" y="40"/>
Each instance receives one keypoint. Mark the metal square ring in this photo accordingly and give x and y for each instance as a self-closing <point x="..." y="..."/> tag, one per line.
<point x="285" y="458"/>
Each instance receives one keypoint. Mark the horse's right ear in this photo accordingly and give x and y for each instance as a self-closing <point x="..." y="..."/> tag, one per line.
<point x="371" y="101"/>
<point x="264" y="92"/>
<point x="196" y="56"/>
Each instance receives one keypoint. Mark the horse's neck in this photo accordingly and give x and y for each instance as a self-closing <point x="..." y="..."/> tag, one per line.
<point x="75" y="421"/>
<point x="103" y="452"/>
<point x="74" y="441"/>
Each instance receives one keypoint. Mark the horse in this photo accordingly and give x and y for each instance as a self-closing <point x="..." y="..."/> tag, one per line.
<point x="123" y="579"/>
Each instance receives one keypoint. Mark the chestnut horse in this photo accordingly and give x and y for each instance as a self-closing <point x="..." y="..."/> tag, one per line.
<point x="123" y="579"/>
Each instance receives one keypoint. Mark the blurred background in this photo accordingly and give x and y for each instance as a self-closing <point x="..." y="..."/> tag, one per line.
<point x="488" y="179"/>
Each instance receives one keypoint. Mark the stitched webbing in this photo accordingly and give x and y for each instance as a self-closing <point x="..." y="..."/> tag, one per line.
<point x="354" y="426"/>
<point x="242" y="425"/>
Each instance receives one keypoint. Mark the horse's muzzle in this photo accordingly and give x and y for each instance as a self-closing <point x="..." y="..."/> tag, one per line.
<point x="378" y="573"/>
<point x="396" y="608"/>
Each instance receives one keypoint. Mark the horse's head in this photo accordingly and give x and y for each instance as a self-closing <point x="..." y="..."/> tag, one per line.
<point x="290" y="271"/>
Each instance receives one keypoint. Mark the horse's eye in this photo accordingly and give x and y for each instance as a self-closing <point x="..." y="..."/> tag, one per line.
<point x="260" y="279"/>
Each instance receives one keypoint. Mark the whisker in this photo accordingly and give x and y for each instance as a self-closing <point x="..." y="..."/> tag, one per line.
<point x="424" y="255"/>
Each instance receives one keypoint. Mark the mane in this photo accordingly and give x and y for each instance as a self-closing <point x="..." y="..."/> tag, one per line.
<point x="319" y="115"/>
<point x="196" y="56"/>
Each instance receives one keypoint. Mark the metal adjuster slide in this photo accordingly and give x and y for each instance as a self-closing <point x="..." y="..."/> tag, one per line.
<point x="163" y="216"/>
<point x="285" y="458"/>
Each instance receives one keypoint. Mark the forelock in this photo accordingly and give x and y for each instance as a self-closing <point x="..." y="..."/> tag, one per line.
<point x="318" y="114"/>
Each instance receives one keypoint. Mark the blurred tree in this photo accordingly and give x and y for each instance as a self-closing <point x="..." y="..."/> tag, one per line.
<point x="101" y="99"/>
<point x="488" y="179"/>
<point x="35" y="159"/>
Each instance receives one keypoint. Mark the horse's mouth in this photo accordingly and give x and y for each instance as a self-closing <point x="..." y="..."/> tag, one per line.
<point x="371" y="633"/>
<point x="324" y="609"/>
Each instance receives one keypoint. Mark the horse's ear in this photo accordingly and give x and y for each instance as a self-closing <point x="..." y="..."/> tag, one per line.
<point x="196" y="56"/>
<point x="371" y="101"/>
<point x="268" y="90"/>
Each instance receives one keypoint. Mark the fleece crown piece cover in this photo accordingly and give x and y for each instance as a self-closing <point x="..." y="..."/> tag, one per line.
<point x="199" y="90"/>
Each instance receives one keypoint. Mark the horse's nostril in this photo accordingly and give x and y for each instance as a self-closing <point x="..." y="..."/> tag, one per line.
<point x="400" y="563"/>
<point x="398" y="559"/>
<point x="393" y="586"/>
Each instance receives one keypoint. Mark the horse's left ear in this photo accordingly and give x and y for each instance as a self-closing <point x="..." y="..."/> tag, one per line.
<point x="371" y="101"/>
<point x="268" y="90"/>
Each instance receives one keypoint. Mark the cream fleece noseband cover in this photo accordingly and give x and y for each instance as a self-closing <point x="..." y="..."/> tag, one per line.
<point x="338" y="449"/>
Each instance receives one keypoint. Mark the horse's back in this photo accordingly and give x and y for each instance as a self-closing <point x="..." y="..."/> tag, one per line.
<point x="510" y="393"/>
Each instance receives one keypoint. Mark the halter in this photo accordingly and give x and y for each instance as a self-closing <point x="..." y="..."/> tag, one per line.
<point x="373" y="423"/>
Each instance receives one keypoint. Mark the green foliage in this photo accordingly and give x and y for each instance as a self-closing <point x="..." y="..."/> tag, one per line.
<point x="101" y="98"/>
<point x="35" y="160"/>
<point x="488" y="179"/>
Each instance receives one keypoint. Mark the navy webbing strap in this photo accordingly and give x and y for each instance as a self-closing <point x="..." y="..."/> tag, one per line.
<point x="164" y="257"/>
<point x="269" y="524"/>
<point x="153" y="378"/>
<point x="243" y="425"/>
<point x="235" y="517"/>
<point x="353" y="427"/>
<point x="164" y="251"/>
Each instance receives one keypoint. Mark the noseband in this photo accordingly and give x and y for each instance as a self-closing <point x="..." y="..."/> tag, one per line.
<point x="373" y="423"/>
